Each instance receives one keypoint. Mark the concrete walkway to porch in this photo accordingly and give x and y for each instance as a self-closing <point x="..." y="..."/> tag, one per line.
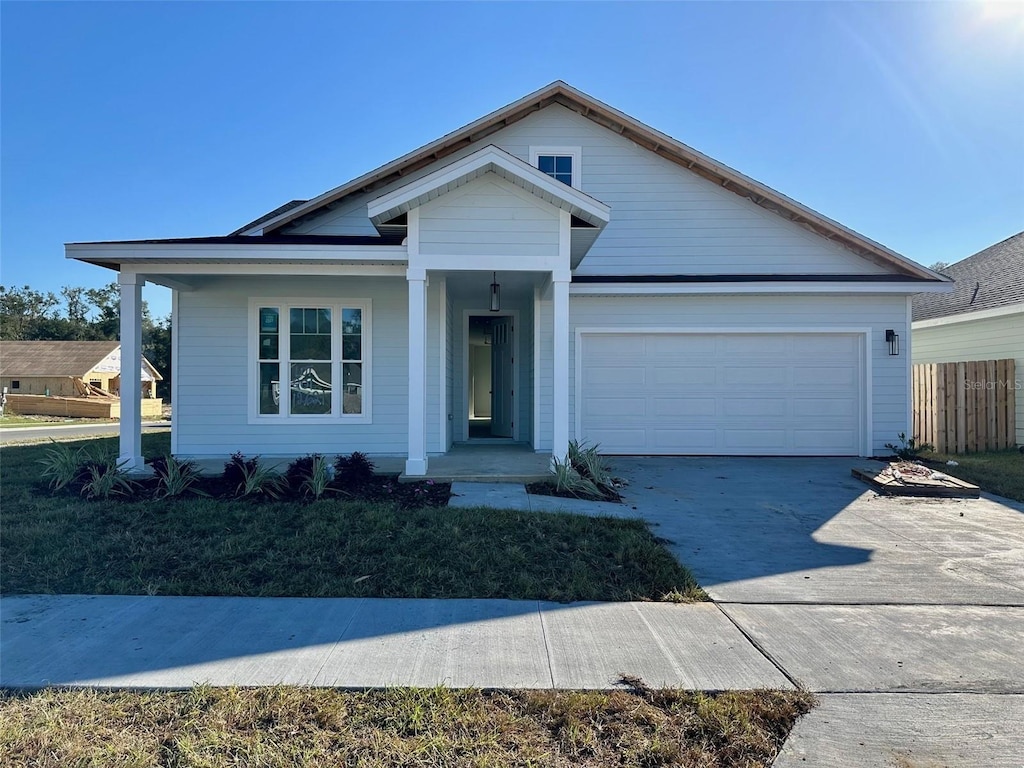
<point x="488" y="463"/>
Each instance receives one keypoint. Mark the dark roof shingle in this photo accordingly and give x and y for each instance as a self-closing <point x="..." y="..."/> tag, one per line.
<point x="989" y="279"/>
<point x="57" y="358"/>
<point x="52" y="358"/>
<point x="268" y="216"/>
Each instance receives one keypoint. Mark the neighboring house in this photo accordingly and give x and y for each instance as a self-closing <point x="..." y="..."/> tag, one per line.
<point x="68" y="369"/>
<point x="982" y="319"/>
<point x="631" y="292"/>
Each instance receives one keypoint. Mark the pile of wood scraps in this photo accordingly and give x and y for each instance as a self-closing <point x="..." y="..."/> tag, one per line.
<point x="906" y="478"/>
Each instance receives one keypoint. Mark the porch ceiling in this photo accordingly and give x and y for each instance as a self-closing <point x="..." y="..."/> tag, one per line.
<point x="475" y="284"/>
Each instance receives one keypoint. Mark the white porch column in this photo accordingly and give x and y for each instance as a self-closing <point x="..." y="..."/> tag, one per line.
<point x="416" y="463"/>
<point x="130" y="454"/>
<point x="560" y="399"/>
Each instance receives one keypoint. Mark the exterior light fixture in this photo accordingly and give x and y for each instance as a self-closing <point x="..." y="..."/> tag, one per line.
<point x="893" y="340"/>
<point x="495" y="293"/>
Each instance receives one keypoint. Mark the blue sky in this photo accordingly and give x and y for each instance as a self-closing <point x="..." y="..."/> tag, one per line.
<point x="904" y="121"/>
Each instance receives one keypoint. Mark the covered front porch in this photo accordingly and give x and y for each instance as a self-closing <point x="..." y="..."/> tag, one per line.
<point x="292" y="344"/>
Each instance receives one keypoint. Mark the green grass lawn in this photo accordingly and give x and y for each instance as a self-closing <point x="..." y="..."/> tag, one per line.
<point x="999" y="472"/>
<point x="328" y="548"/>
<point x="318" y="728"/>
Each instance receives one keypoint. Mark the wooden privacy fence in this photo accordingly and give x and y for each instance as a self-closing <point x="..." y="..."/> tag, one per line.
<point x="965" y="407"/>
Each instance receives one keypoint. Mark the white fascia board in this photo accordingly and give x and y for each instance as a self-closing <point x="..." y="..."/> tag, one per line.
<point x="117" y="253"/>
<point x="966" y="317"/>
<point x="660" y="289"/>
<point x="488" y="159"/>
<point x="462" y="263"/>
<point x="154" y="271"/>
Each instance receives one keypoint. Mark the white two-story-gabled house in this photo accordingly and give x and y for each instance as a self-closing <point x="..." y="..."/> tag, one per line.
<point x="556" y="270"/>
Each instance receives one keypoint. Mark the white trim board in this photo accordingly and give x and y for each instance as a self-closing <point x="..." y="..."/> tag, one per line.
<point x="655" y="289"/>
<point x="867" y="432"/>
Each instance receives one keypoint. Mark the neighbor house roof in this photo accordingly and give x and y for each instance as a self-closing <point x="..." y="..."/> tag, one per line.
<point x="661" y="144"/>
<point x="990" y="279"/>
<point x="57" y="358"/>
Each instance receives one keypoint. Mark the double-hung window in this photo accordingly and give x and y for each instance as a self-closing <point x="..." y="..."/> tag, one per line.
<point x="311" y="360"/>
<point x="561" y="163"/>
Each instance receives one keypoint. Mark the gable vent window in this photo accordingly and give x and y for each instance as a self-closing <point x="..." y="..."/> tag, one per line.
<point x="561" y="163"/>
<point x="557" y="166"/>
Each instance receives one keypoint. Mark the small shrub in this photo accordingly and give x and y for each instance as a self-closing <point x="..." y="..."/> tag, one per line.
<point x="175" y="478"/>
<point x="105" y="477"/>
<point x="248" y="477"/>
<point x="62" y="466"/>
<point x="909" y="449"/>
<point x="354" y="471"/>
<point x="584" y="474"/>
<point x="310" y="476"/>
<point x="236" y="468"/>
<point x="569" y="480"/>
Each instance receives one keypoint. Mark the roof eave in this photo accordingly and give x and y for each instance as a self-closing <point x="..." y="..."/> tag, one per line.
<point x="638" y="132"/>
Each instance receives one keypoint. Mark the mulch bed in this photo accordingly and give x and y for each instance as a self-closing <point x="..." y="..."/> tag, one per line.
<point x="546" y="488"/>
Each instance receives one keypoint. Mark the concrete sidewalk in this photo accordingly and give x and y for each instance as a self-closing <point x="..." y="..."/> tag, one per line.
<point x="176" y="642"/>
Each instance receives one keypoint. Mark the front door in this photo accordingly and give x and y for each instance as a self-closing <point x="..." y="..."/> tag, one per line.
<point x="502" y="392"/>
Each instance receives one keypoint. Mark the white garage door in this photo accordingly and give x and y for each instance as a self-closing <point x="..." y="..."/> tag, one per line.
<point x="722" y="394"/>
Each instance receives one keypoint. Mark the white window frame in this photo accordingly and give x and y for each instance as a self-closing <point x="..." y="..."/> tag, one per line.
<point x="284" y="305"/>
<point x="574" y="152"/>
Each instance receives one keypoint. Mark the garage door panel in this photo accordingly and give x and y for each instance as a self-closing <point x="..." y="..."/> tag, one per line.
<point x="752" y="345"/>
<point x="624" y="440"/>
<point x="752" y="440"/>
<point x="674" y="376"/>
<point x="703" y="440"/>
<point x="828" y="347"/>
<point x="761" y="375"/>
<point x="669" y="347"/>
<point x="624" y="346"/>
<point x="684" y="406"/>
<point x="828" y="375"/>
<point x="757" y="407"/>
<point x="825" y="440"/>
<point x="817" y="407"/>
<point x="744" y="393"/>
<point x="619" y="376"/>
<point x="615" y="407"/>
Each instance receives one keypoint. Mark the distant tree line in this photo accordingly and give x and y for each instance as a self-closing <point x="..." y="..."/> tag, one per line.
<point x="82" y="314"/>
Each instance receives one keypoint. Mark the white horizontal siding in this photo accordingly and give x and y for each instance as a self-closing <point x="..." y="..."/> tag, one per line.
<point x="996" y="338"/>
<point x="665" y="219"/>
<point x="488" y="217"/>
<point x="211" y="406"/>
<point x="890" y="390"/>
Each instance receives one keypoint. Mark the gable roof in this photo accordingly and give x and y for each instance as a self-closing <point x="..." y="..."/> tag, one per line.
<point x="57" y="358"/>
<point x="989" y="279"/>
<point x="661" y="144"/>
<point x="490" y="159"/>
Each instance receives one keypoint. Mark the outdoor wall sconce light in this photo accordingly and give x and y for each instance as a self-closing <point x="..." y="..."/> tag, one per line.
<point x="495" y="294"/>
<point x="893" y="340"/>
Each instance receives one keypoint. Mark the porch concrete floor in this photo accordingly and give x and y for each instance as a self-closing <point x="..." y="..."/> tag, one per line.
<point x="465" y="462"/>
<point x="503" y="463"/>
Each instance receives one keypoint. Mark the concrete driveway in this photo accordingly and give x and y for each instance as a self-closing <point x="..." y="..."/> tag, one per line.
<point x="905" y="615"/>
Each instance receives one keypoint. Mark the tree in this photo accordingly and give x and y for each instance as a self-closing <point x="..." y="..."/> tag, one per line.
<point x="939" y="266"/>
<point x="23" y="311"/>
